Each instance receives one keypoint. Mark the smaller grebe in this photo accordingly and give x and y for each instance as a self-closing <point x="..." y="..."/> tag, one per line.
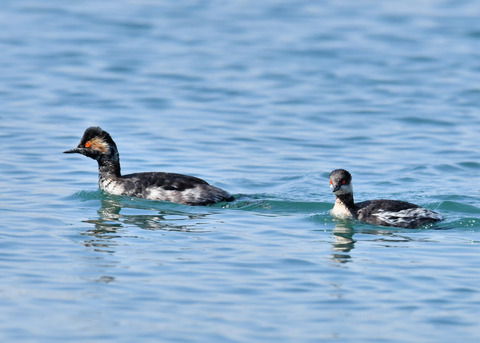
<point x="378" y="212"/>
<point x="177" y="188"/>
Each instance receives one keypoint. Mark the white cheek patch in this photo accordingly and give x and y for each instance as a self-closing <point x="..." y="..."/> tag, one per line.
<point x="345" y="189"/>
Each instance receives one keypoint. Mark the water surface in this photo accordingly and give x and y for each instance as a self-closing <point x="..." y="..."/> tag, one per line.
<point x="264" y="100"/>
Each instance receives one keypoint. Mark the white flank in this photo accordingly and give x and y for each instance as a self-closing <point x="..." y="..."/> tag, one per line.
<point x="111" y="187"/>
<point x="188" y="195"/>
<point x="406" y="216"/>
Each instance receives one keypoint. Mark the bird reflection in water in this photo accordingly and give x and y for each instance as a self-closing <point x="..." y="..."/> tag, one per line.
<point x="111" y="221"/>
<point x="343" y="243"/>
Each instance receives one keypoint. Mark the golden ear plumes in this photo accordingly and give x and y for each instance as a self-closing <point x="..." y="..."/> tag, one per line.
<point x="97" y="144"/>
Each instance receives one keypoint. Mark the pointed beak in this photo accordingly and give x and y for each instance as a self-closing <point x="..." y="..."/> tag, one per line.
<point x="73" y="151"/>
<point x="336" y="187"/>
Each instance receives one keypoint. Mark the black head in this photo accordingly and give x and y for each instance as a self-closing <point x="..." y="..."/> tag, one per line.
<point x="341" y="182"/>
<point x="95" y="144"/>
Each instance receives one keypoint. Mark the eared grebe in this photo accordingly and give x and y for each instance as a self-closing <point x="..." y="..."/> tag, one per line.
<point x="378" y="212"/>
<point x="177" y="188"/>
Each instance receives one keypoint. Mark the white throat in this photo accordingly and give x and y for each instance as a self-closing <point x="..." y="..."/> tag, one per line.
<point x="341" y="211"/>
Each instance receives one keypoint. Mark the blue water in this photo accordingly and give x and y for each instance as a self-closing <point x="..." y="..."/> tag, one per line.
<point x="262" y="99"/>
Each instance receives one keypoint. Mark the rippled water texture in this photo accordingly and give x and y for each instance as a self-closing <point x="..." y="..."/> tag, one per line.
<point x="262" y="99"/>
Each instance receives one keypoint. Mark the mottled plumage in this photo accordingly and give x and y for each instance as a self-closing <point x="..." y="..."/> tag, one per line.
<point x="378" y="212"/>
<point x="177" y="188"/>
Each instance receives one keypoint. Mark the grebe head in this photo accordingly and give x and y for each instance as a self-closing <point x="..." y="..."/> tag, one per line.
<point x="341" y="182"/>
<point x="96" y="144"/>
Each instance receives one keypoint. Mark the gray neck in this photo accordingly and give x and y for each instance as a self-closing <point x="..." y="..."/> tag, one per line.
<point x="109" y="166"/>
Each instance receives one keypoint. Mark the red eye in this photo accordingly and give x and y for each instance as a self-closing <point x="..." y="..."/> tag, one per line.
<point x="344" y="182"/>
<point x="88" y="144"/>
<point x="331" y="181"/>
